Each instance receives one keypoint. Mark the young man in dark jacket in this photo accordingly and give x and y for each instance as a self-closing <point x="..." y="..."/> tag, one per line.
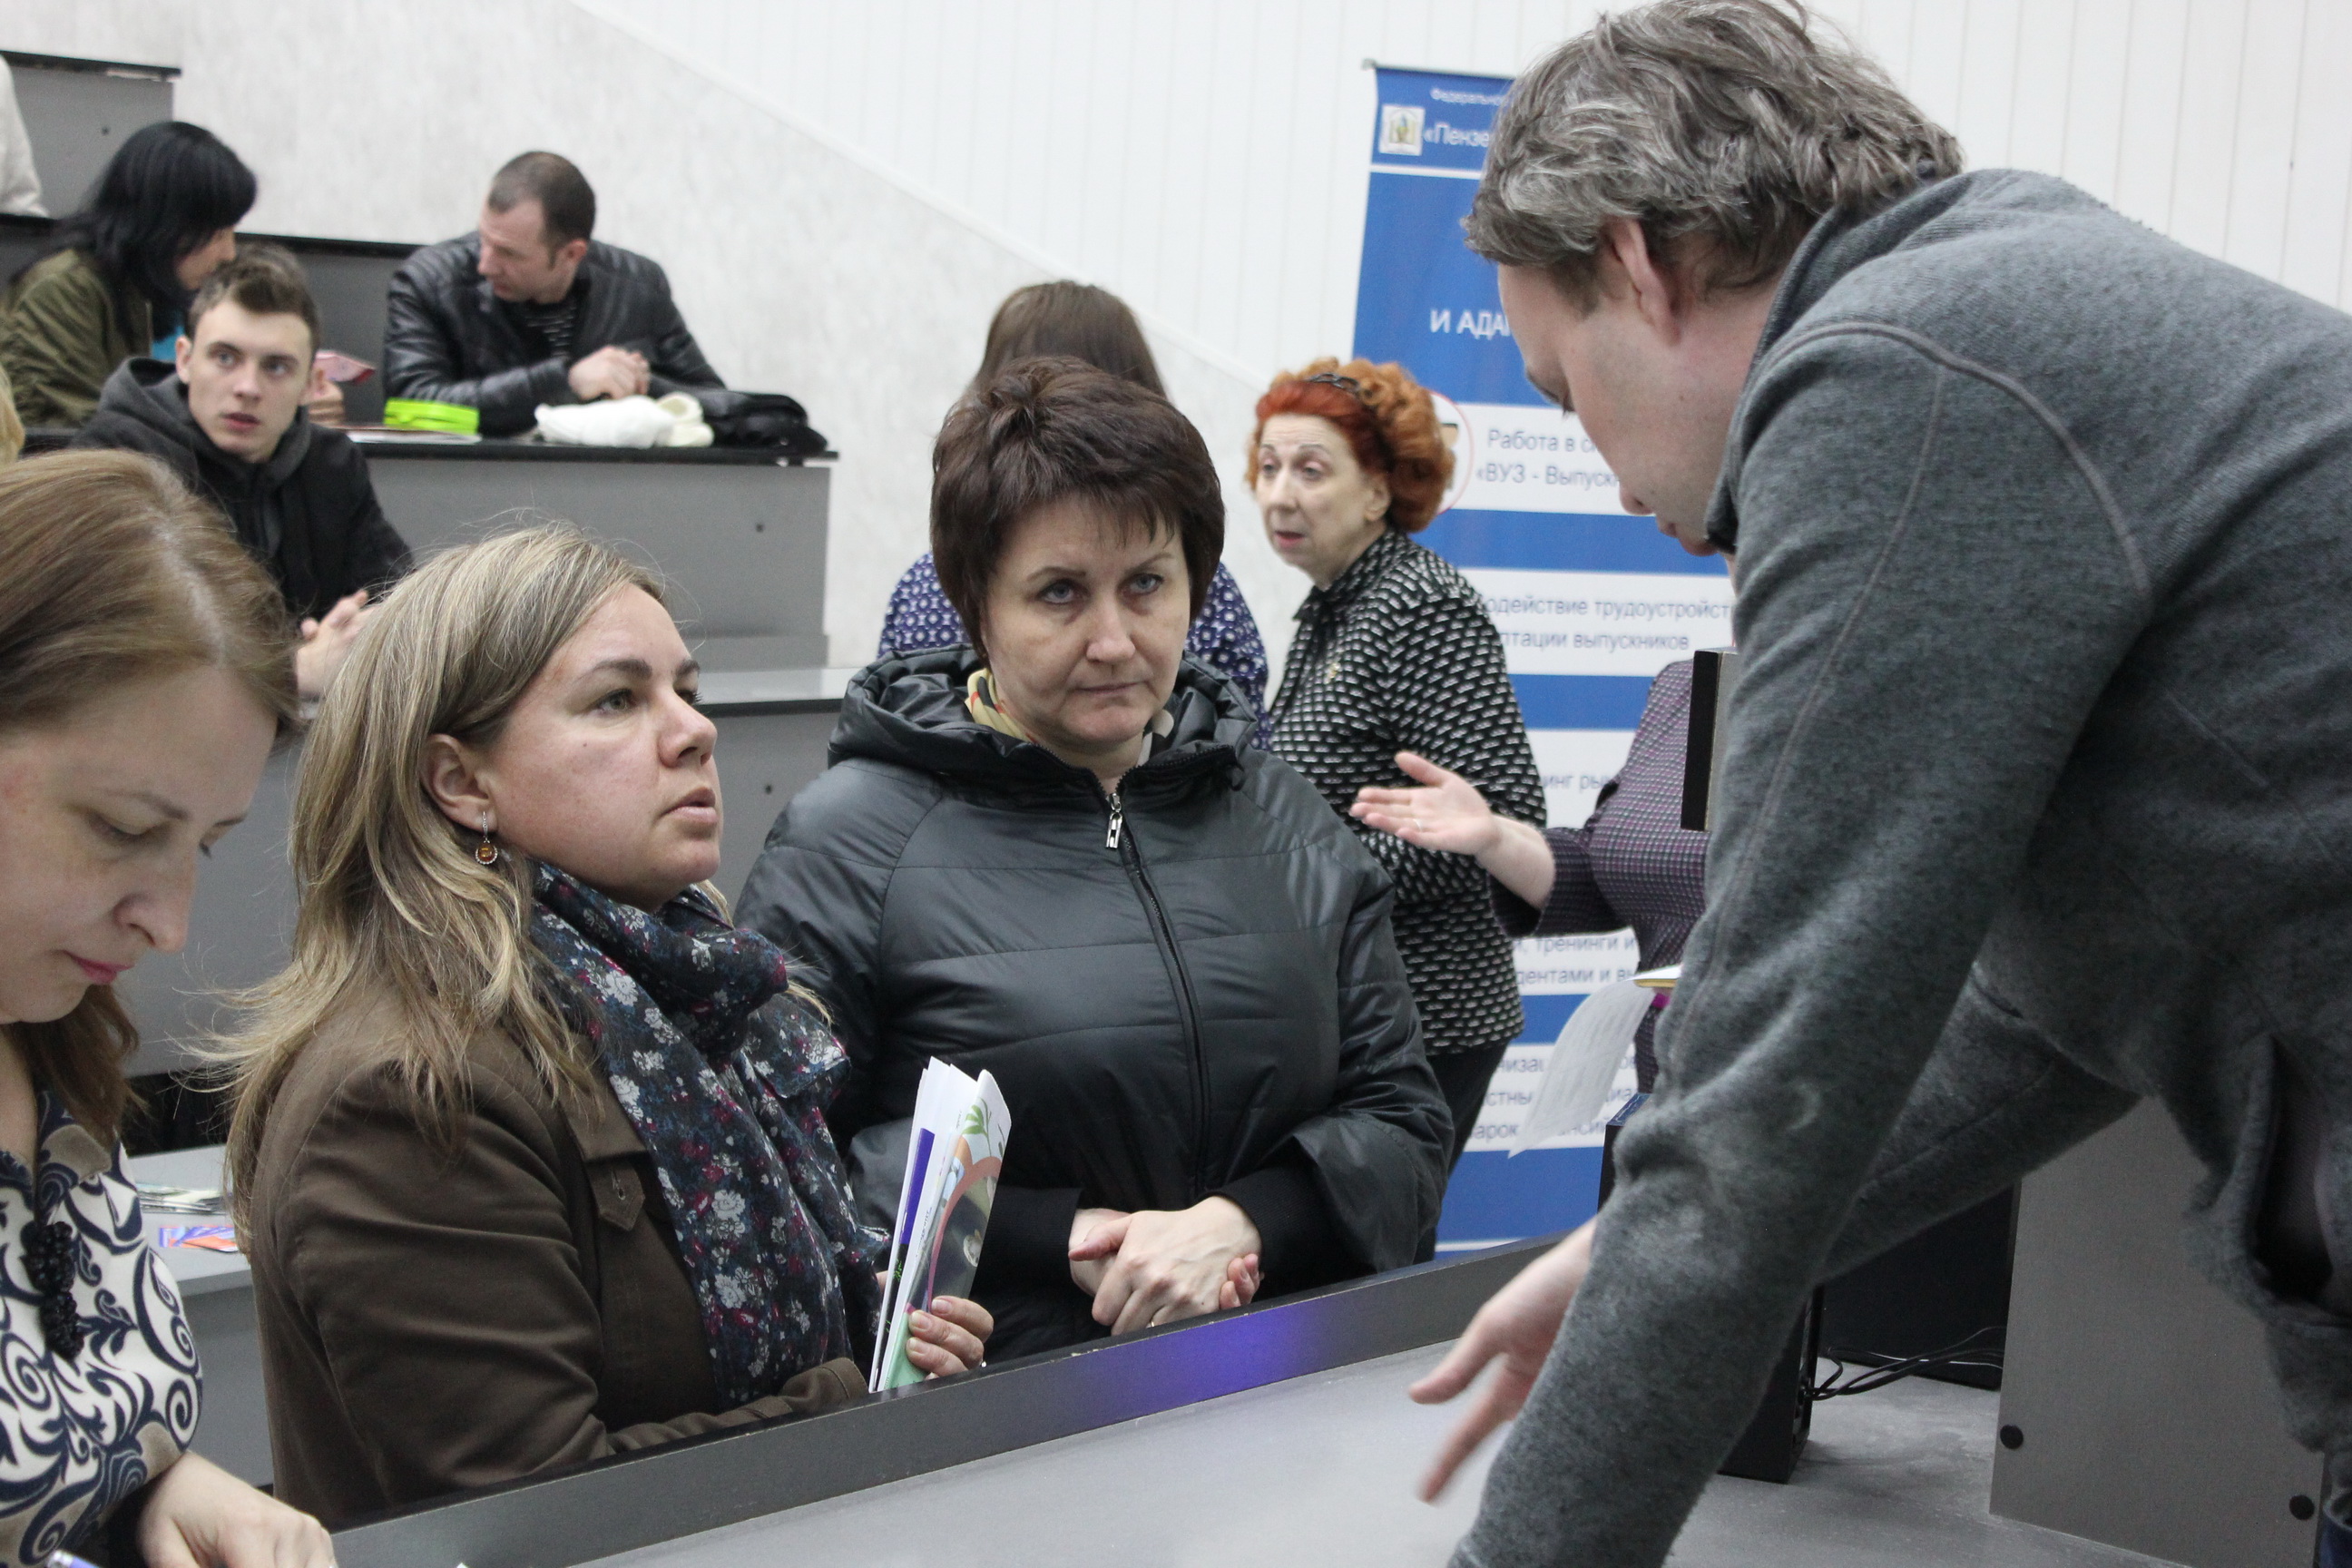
<point x="530" y="309"/>
<point x="228" y="416"/>
<point x="2035" y="799"/>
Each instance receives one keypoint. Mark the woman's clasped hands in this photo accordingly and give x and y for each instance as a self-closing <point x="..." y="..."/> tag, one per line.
<point x="1159" y="1266"/>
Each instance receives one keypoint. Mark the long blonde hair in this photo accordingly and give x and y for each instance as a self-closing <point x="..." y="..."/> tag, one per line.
<point x="112" y="571"/>
<point x="393" y="903"/>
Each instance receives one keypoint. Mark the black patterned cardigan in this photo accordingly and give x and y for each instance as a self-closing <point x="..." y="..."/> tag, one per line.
<point x="1399" y="654"/>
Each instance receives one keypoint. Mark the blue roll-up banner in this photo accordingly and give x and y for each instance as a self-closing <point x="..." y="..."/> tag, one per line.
<point x="1592" y="603"/>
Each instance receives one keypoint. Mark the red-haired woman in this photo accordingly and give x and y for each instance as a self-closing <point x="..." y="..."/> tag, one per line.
<point x="1396" y="672"/>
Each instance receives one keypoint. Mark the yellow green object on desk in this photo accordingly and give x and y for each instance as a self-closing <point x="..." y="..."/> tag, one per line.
<point x="416" y="413"/>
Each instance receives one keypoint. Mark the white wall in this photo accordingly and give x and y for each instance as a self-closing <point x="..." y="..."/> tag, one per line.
<point x="842" y="192"/>
<point x="1207" y="160"/>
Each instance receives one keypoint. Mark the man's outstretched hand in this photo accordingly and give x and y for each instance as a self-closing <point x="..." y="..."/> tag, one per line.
<point x="1518" y="1325"/>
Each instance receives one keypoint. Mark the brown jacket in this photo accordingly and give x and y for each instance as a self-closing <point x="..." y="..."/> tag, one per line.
<point x="62" y="332"/>
<point x="436" y="1316"/>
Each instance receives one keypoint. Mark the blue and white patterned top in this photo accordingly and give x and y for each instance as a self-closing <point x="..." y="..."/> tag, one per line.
<point x="84" y="1425"/>
<point x="1224" y="638"/>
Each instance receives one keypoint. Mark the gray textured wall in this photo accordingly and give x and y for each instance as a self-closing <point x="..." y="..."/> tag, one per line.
<point x="800" y="268"/>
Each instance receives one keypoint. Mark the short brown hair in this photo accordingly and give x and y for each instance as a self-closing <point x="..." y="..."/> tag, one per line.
<point x="263" y="278"/>
<point x="567" y="206"/>
<point x="1058" y="429"/>
<point x="1389" y="421"/>
<point x="1074" y="318"/>
<point x="1724" y="127"/>
<point x="112" y="571"/>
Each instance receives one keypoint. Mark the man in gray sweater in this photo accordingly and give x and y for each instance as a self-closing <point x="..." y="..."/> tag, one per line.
<point x="2039" y="788"/>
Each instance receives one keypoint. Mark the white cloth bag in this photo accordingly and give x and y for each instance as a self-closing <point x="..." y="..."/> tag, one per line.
<point x="675" y="421"/>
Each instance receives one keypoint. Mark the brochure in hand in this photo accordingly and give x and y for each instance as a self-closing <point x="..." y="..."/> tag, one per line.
<point x="953" y="1158"/>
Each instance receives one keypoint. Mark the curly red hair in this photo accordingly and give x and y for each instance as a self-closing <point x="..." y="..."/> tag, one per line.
<point x="1390" y="426"/>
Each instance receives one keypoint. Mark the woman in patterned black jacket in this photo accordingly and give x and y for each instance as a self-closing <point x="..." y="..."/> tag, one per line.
<point x="1395" y="653"/>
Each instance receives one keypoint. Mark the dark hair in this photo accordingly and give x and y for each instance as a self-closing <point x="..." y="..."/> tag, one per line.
<point x="1389" y="421"/>
<point x="112" y="571"/>
<point x="568" y="207"/>
<point x="169" y="187"/>
<point x="265" y="279"/>
<point x="1058" y="430"/>
<point x="1074" y="318"/>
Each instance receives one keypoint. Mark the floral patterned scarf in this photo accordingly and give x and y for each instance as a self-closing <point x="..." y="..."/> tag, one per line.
<point x="726" y="1077"/>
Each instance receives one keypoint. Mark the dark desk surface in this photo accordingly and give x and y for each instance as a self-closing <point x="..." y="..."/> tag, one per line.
<point x="39" y="227"/>
<point x="512" y="451"/>
<point x="52" y="437"/>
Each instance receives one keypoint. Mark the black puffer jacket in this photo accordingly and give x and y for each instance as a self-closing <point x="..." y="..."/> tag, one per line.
<point x="446" y="338"/>
<point x="309" y="513"/>
<point x="1212" y="1005"/>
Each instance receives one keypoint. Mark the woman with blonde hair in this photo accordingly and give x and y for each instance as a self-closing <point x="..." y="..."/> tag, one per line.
<point x="146" y="669"/>
<point x="1396" y="678"/>
<point x="530" y="1145"/>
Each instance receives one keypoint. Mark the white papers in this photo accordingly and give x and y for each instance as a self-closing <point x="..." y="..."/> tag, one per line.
<point x="955" y="1151"/>
<point x="1583" y="1065"/>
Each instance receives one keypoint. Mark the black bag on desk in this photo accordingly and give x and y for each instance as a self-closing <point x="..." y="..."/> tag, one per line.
<point x="758" y="419"/>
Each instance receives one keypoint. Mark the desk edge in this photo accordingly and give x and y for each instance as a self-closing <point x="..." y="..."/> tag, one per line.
<point x="706" y="1483"/>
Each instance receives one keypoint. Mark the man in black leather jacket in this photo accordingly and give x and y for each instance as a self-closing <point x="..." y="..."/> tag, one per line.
<point x="530" y="309"/>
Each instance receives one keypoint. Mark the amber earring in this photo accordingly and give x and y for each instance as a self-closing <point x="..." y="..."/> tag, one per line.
<point x="486" y="851"/>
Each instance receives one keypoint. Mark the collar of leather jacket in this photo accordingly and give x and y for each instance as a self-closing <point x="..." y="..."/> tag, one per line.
<point x="910" y="709"/>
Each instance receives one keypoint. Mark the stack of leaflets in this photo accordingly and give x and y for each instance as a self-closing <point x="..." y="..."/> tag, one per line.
<point x="1593" y="1052"/>
<point x="954" y="1155"/>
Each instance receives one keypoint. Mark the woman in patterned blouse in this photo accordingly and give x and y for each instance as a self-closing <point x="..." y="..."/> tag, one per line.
<point x="1091" y="324"/>
<point x="148" y="672"/>
<point x="1394" y="653"/>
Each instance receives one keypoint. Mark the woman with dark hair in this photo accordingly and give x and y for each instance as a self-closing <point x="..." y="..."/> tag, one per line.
<point x="1395" y="654"/>
<point x="120" y="272"/>
<point x="1094" y="325"/>
<point x="1052" y="854"/>
<point x="146" y="673"/>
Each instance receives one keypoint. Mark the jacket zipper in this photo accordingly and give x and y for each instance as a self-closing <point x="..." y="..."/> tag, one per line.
<point x="1131" y="857"/>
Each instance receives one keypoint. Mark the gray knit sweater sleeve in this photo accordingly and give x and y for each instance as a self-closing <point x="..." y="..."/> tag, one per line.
<point x="1934" y="593"/>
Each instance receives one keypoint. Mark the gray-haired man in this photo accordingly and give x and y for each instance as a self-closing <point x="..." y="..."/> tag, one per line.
<point x="2039" y="793"/>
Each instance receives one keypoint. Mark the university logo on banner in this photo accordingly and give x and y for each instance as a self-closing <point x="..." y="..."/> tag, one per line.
<point x="1592" y="603"/>
<point x="1400" y="130"/>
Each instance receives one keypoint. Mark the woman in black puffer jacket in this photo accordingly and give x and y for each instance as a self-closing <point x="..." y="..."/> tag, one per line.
<point x="1055" y="857"/>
